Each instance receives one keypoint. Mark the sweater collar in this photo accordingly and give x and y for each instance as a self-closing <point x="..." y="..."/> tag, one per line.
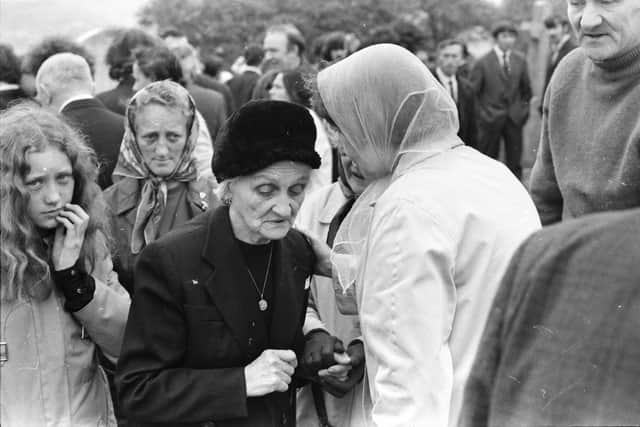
<point x="622" y="66"/>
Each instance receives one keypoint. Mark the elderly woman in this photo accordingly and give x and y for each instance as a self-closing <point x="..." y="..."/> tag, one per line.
<point x="290" y="86"/>
<point x="427" y="242"/>
<point x="61" y="303"/>
<point x="157" y="187"/>
<point x="216" y="322"/>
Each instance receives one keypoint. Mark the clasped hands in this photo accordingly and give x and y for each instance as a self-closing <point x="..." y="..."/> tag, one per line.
<point x="326" y="361"/>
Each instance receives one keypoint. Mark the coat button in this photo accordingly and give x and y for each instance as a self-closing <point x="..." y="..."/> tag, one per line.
<point x="209" y="424"/>
<point x="284" y="419"/>
<point x="250" y="341"/>
<point x="253" y="324"/>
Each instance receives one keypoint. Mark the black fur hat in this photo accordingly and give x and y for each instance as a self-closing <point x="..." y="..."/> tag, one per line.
<point x="262" y="133"/>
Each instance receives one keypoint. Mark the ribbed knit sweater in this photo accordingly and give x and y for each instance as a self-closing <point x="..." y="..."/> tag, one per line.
<point x="589" y="154"/>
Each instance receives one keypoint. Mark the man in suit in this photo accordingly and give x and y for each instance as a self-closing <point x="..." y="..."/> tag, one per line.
<point x="559" y="30"/>
<point x="562" y="343"/>
<point x="500" y="80"/>
<point x="64" y="84"/>
<point x="242" y="85"/>
<point x="450" y="56"/>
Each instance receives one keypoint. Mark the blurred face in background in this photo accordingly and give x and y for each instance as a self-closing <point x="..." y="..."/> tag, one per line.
<point x="278" y="91"/>
<point x="450" y="58"/>
<point x="555" y="33"/>
<point x="276" y="47"/>
<point x="606" y="29"/>
<point x="506" y="40"/>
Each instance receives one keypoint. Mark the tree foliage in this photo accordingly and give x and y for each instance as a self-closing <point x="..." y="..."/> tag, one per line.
<point x="231" y="24"/>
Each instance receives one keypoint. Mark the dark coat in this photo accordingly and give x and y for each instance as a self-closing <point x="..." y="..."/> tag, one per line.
<point x="104" y="130"/>
<point x="118" y="98"/>
<point x="499" y="96"/>
<point x="242" y="87"/>
<point x="211" y="105"/>
<point x="122" y="200"/>
<point x="562" y="343"/>
<point x="567" y="47"/>
<point x="468" y="131"/>
<point x="208" y="82"/>
<point x="194" y="325"/>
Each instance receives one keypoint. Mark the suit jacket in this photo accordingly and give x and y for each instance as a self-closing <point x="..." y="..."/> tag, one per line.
<point x="118" y="98"/>
<point x="208" y="82"/>
<point x="500" y="96"/>
<point x="194" y="325"/>
<point x="562" y="343"/>
<point x="242" y="87"/>
<point x="466" y="110"/>
<point x="211" y="105"/>
<point x="567" y="47"/>
<point x="104" y="130"/>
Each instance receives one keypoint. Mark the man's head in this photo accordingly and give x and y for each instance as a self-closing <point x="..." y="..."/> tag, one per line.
<point x="557" y="27"/>
<point x="450" y="56"/>
<point x="605" y="29"/>
<point x="189" y="60"/>
<point x="173" y="37"/>
<point x="253" y="55"/>
<point x="505" y="35"/>
<point x="285" y="44"/>
<point x="62" y="77"/>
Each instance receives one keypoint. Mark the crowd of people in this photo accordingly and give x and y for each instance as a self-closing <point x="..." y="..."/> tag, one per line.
<point x="322" y="244"/>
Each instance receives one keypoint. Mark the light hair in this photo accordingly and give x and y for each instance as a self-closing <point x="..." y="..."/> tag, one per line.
<point x="64" y="72"/>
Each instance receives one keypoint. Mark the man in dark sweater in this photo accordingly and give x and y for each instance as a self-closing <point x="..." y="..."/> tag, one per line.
<point x="588" y="160"/>
<point x="562" y="342"/>
<point x="64" y="84"/>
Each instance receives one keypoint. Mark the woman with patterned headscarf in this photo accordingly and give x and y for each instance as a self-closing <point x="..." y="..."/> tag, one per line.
<point x="157" y="187"/>
<point x="424" y="247"/>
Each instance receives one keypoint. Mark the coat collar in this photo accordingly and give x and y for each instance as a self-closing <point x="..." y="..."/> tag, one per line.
<point x="199" y="196"/>
<point x="229" y="286"/>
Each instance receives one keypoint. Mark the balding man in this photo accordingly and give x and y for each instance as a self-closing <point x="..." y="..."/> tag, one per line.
<point x="64" y="84"/>
<point x="285" y="44"/>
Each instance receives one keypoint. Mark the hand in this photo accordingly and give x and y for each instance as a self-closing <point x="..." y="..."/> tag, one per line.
<point x="69" y="236"/>
<point x="270" y="372"/>
<point x="323" y="256"/>
<point x="318" y="352"/>
<point x="337" y="384"/>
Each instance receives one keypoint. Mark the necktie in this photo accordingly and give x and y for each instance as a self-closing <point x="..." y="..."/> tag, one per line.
<point x="505" y="63"/>
<point x="452" y="90"/>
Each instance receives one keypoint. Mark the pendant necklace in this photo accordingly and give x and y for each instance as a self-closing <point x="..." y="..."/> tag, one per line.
<point x="262" y="303"/>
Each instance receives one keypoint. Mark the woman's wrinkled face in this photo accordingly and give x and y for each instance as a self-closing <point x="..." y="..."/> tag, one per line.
<point x="264" y="204"/>
<point x="352" y="173"/>
<point x="278" y="92"/>
<point x="161" y="134"/>
<point x="367" y="171"/>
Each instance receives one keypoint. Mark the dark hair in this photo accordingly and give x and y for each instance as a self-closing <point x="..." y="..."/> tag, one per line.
<point x="212" y="64"/>
<point x="504" y="27"/>
<point x="49" y="47"/>
<point x="9" y="65"/>
<point x="120" y="53"/>
<point x="171" y="32"/>
<point x="253" y="55"/>
<point x="333" y="41"/>
<point x="452" y="42"/>
<point x="294" y="36"/>
<point x="554" y="21"/>
<point x="263" y="85"/>
<point x="159" y="63"/>
<point x="294" y="84"/>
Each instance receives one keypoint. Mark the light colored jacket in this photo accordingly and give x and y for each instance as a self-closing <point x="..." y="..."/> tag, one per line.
<point x="51" y="377"/>
<point x="314" y="218"/>
<point x="441" y="237"/>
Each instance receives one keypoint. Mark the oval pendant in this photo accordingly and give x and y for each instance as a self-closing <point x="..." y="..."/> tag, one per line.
<point x="262" y="304"/>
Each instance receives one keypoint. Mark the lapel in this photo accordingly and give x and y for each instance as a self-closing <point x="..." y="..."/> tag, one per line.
<point x="497" y="65"/>
<point x="230" y="288"/>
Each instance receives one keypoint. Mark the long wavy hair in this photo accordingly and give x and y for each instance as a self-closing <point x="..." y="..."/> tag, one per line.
<point x="27" y="128"/>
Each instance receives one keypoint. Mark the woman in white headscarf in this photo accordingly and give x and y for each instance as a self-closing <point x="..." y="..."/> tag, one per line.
<point x="425" y="246"/>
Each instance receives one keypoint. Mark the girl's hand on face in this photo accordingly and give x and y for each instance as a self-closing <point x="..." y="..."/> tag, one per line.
<point x="73" y="222"/>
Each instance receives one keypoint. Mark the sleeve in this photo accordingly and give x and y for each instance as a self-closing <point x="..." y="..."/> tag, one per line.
<point x="153" y="385"/>
<point x="477" y="78"/>
<point x="408" y="306"/>
<point x="543" y="185"/>
<point x="525" y="83"/>
<point x="312" y="318"/>
<point x="203" y="152"/>
<point x="479" y="387"/>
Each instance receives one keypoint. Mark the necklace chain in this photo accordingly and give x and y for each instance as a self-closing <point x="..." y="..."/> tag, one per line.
<point x="266" y="276"/>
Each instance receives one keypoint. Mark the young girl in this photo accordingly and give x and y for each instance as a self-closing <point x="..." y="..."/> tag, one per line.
<point x="59" y="295"/>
